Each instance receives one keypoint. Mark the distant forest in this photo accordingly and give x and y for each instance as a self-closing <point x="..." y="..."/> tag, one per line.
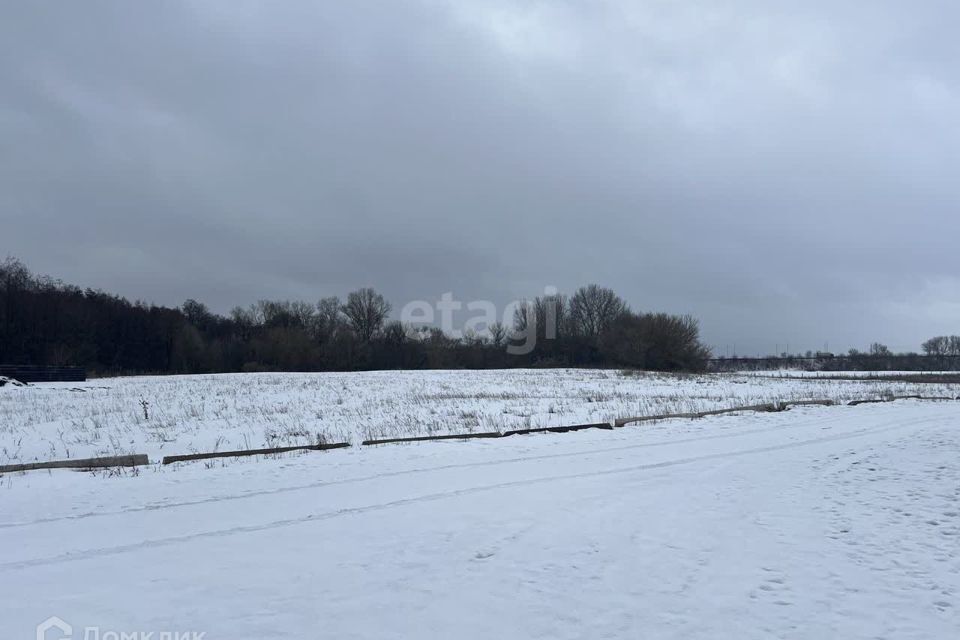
<point x="941" y="353"/>
<point x="46" y="322"/>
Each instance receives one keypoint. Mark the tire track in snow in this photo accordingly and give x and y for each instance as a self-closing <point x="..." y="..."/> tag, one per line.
<point x="443" y="495"/>
<point x="404" y="472"/>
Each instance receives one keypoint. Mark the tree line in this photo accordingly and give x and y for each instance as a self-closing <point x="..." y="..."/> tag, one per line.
<point x="941" y="353"/>
<point x="46" y="322"/>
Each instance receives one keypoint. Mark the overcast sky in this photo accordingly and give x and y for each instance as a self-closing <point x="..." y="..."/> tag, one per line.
<point x="785" y="171"/>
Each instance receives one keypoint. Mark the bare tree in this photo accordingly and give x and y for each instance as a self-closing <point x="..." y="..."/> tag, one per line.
<point x="546" y="317"/>
<point x="552" y="316"/>
<point x="197" y="313"/>
<point x="329" y="319"/>
<point x="244" y="321"/>
<point x="593" y="309"/>
<point x="304" y="314"/>
<point x="523" y="317"/>
<point x="498" y="334"/>
<point x="656" y="341"/>
<point x="942" y="346"/>
<point x="395" y="333"/>
<point x="366" y="310"/>
<point x="14" y="274"/>
<point x="878" y="349"/>
<point x="939" y="346"/>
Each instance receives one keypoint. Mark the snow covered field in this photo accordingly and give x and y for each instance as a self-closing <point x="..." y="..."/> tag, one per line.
<point x="189" y="414"/>
<point x="819" y="522"/>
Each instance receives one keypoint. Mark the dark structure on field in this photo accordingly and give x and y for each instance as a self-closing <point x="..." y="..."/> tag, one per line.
<point x="31" y="373"/>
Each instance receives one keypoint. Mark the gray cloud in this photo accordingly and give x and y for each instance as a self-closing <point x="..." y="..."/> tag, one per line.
<point x="784" y="172"/>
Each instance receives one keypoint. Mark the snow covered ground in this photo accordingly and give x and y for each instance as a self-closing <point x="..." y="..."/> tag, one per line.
<point x="189" y="414"/>
<point x="819" y="522"/>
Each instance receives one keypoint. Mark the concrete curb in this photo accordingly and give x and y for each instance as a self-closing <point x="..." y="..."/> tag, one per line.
<point x="464" y="436"/>
<point x="576" y="427"/>
<point x="769" y="407"/>
<point x="251" y="452"/>
<point x="132" y="460"/>
<point x="856" y="403"/>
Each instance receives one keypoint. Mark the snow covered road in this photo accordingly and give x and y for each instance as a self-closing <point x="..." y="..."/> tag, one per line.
<point x="815" y="523"/>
